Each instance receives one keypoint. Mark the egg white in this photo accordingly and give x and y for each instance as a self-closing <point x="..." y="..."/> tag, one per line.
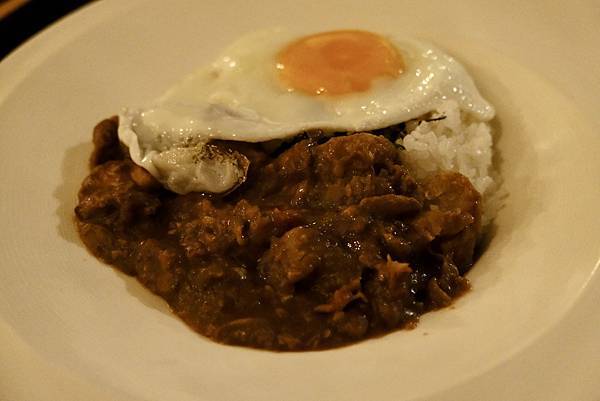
<point x="239" y="98"/>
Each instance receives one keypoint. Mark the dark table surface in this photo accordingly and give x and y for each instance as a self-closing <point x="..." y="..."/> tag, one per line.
<point x="30" y="18"/>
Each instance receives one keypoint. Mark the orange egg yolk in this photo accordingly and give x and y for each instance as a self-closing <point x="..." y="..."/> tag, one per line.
<point x="338" y="62"/>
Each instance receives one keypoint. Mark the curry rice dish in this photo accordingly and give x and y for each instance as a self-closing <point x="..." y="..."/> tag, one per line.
<point x="314" y="239"/>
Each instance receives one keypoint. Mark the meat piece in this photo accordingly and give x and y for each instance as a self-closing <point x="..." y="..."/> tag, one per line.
<point x="203" y="230"/>
<point x="342" y="297"/>
<point x="438" y="297"/>
<point x="391" y="306"/>
<point x="144" y="179"/>
<point x="402" y="181"/>
<point x="106" y="142"/>
<point x="395" y="238"/>
<point x="291" y="258"/>
<point x="439" y="223"/>
<point x="390" y="205"/>
<point x="112" y="210"/>
<point x="258" y="225"/>
<point x="109" y="197"/>
<point x="461" y="248"/>
<point x="353" y="155"/>
<point x="392" y="270"/>
<point x="205" y="227"/>
<point x="448" y="285"/>
<point x="286" y="174"/>
<point x="452" y="217"/>
<point x="454" y="192"/>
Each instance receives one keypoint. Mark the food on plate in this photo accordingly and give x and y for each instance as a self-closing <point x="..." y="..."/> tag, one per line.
<point x="300" y="192"/>
<point x="254" y="92"/>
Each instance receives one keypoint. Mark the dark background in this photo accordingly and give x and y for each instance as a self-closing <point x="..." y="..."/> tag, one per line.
<point x="30" y="18"/>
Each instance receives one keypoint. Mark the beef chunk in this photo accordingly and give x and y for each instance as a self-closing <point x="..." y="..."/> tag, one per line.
<point x="106" y="142"/>
<point x="110" y="197"/>
<point x="390" y="205"/>
<point x="291" y="258"/>
<point x="353" y="155"/>
<point x="452" y="218"/>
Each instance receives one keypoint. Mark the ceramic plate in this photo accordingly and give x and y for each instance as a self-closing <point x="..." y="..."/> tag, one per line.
<point x="72" y="328"/>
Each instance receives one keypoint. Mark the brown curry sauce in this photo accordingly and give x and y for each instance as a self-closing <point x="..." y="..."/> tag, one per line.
<point x="328" y="242"/>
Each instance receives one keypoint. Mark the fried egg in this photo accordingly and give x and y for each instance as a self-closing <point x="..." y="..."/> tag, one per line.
<point x="276" y="84"/>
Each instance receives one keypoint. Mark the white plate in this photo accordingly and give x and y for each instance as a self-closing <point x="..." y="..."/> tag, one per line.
<point x="72" y="329"/>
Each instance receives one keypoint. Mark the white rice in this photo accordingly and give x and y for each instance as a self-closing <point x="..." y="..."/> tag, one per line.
<point x="455" y="143"/>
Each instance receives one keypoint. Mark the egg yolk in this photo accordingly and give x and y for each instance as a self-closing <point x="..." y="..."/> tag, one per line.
<point x="338" y="62"/>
